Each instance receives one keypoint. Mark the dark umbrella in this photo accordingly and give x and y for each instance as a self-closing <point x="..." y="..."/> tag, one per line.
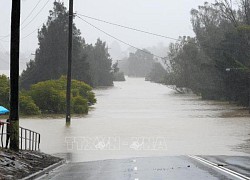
<point x="3" y="110"/>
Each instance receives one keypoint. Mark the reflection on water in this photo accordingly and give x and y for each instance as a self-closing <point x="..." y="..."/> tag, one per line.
<point x="136" y="108"/>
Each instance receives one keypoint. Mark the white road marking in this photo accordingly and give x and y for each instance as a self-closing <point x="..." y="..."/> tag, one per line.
<point x="135" y="168"/>
<point x="223" y="169"/>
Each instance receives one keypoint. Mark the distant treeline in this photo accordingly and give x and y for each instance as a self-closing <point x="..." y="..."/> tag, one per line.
<point x="216" y="62"/>
<point x="138" y="64"/>
<point x="91" y="63"/>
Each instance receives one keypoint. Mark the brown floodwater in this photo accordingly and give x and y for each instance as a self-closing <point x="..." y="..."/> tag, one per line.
<point x="140" y="112"/>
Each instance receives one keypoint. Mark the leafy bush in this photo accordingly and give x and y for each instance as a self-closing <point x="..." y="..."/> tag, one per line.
<point x="80" y="105"/>
<point x="50" y="96"/>
<point x="91" y="97"/>
<point x="84" y="90"/>
<point x="4" y="90"/>
<point x="47" y="98"/>
<point x="27" y="105"/>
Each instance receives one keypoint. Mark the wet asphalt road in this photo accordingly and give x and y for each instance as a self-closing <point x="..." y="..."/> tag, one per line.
<point x="154" y="168"/>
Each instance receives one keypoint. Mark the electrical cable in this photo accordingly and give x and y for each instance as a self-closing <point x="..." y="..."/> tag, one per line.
<point x="31" y="11"/>
<point x="126" y="27"/>
<point x="150" y="33"/>
<point x="32" y="32"/>
<point x="28" y="17"/>
<point x="36" y="15"/>
<point x="147" y="52"/>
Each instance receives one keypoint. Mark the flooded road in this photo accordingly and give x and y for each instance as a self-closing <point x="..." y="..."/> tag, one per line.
<point x="135" y="110"/>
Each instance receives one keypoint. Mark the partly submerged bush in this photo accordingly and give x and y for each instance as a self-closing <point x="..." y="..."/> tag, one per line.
<point x="27" y="105"/>
<point x="4" y="90"/>
<point x="80" y="105"/>
<point x="50" y="96"/>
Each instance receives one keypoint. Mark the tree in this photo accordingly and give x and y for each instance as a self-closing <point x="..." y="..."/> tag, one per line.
<point x="115" y="67"/>
<point x="27" y="105"/>
<point x="117" y="75"/>
<point x="140" y="63"/>
<point x="157" y="73"/>
<point x="51" y="57"/>
<point x="100" y="64"/>
<point x="221" y="43"/>
<point x="223" y="34"/>
<point x="185" y="60"/>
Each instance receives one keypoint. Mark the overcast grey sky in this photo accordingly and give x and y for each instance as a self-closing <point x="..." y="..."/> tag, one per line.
<point x="166" y="17"/>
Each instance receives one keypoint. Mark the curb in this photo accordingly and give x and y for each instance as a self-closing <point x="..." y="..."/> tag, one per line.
<point x="44" y="171"/>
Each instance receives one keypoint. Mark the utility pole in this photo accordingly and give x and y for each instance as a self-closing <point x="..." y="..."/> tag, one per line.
<point x="248" y="76"/>
<point x="14" y="75"/>
<point x="68" y="98"/>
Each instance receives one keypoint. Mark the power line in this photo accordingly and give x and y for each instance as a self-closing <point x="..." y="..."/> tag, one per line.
<point x="32" y="11"/>
<point x="27" y="34"/>
<point x="126" y="27"/>
<point x="33" y="31"/>
<point x="120" y="39"/>
<point x="36" y="15"/>
<point x="151" y="33"/>
<point x="3" y="37"/>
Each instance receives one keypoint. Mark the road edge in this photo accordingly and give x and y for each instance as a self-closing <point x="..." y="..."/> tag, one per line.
<point x="44" y="171"/>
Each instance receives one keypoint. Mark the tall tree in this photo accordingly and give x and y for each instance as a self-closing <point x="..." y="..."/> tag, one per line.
<point x="51" y="56"/>
<point x="222" y="33"/>
<point x="185" y="60"/>
<point x="216" y="62"/>
<point x="100" y="64"/>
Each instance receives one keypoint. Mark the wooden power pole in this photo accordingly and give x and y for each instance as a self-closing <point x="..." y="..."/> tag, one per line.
<point x="68" y="98"/>
<point x="14" y="75"/>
